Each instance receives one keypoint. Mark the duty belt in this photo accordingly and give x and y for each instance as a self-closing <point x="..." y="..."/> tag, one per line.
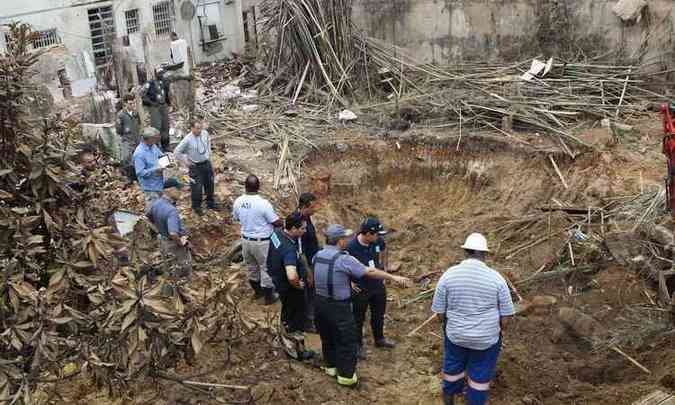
<point x="202" y="163"/>
<point x="256" y="239"/>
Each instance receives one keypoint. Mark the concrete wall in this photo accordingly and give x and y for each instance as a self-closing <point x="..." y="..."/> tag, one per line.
<point x="445" y="31"/>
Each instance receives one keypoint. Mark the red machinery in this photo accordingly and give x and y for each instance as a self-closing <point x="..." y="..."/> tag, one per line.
<point x="667" y="111"/>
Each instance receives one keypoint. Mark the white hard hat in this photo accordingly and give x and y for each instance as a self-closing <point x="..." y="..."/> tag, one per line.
<point x="476" y="242"/>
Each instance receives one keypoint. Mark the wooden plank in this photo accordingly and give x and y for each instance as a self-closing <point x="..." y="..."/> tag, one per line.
<point x="656" y="398"/>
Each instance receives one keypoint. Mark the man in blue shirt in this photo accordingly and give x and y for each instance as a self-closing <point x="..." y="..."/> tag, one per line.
<point x="334" y="269"/>
<point x="146" y="163"/>
<point x="289" y="275"/>
<point x="368" y="247"/>
<point x="173" y="239"/>
<point x="148" y="170"/>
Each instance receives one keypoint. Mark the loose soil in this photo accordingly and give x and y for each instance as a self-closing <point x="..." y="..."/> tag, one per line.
<point x="431" y="197"/>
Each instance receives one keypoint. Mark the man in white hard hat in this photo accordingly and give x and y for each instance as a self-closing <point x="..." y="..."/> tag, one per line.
<point x="473" y="302"/>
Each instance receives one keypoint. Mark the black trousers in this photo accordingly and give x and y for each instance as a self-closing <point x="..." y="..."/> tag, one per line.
<point x="339" y="342"/>
<point x="310" y="293"/>
<point x="377" y="301"/>
<point x="202" y="176"/>
<point x="293" y="310"/>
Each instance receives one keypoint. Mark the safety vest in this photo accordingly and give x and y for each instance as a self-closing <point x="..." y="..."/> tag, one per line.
<point x="328" y="265"/>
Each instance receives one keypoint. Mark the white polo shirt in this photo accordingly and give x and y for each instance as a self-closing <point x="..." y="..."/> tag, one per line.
<point x="255" y="214"/>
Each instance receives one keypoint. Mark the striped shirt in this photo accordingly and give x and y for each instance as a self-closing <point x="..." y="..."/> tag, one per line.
<point x="473" y="298"/>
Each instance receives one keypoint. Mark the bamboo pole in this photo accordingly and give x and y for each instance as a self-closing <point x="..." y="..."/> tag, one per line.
<point x="425" y="323"/>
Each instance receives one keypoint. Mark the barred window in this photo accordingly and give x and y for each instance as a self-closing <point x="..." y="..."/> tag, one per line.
<point x="102" y="27"/>
<point x="46" y="38"/>
<point x="133" y="22"/>
<point x="164" y="15"/>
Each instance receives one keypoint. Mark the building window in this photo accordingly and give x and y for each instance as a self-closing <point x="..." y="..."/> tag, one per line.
<point x="102" y="28"/>
<point x="213" y="32"/>
<point x="164" y="15"/>
<point x="247" y="36"/>
<point x="46" y="38"/>
<point x="133" y="22"/>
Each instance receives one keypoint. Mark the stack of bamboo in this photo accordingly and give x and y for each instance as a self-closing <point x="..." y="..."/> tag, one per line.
<point x="319" y="53"/>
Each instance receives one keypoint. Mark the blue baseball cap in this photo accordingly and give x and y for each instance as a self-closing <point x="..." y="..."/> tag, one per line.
<point x="335" y="231"/>
<point x="373" y="225"/>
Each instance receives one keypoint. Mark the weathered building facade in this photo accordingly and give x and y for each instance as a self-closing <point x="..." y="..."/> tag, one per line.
<point x="81" y="34"/>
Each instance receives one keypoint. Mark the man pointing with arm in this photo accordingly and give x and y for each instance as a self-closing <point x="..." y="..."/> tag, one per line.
<point x="334" y="269"/>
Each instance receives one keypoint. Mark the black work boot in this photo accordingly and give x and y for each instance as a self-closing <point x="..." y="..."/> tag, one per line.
<point x="384" y="343"/>
<point x="448" y="399"/>
<point x="255" y="285"/>
<point x="270" y="296"/>
<point x="361" y="353"/>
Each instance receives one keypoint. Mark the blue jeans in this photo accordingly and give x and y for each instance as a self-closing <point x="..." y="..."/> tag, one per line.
<point x="478" y="365"/>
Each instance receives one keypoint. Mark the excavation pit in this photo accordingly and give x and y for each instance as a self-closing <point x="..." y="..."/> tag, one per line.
<point x="431" y="197"/>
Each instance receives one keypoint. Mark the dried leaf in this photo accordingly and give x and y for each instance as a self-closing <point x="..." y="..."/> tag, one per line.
<point x="16" y="343"/>
<point x="24" y="290"/>
<point x="158" y="306"/>
<point x="96" y="298"/>
<point x="196" y="341"/>
<point x="57" y="277"/>
<point x="82" y="265"/>
<point x="62" y="321"/>
<point x="178" y="302"/>
<point x="129" y="319"/>
<point x="126" y="307"/>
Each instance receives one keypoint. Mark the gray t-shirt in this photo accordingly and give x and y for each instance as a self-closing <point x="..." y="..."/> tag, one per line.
<point x="345" y="269"/>
<point x="255" y="214"/>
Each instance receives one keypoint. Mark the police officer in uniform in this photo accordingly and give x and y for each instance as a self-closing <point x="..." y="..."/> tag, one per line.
<point x="368" y="247"/>
<point x="289" y="275"/>
<point x="334" y="269"/>
<point x="156" y="99"/>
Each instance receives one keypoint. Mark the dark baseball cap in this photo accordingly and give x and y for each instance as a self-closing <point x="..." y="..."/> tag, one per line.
<point x="371" y="224"/>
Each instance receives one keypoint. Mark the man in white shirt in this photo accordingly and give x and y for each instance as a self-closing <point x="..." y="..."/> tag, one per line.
<point x="258" y="220"/>
<point x="195" y="150"/>
<point x="179" y="54"/>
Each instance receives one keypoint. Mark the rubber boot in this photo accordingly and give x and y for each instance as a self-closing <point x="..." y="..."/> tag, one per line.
<point x="255" y="285"/>
<point x="348" y="382"/>
<point x="270" y="296"/>
<point x="448" y="399"/>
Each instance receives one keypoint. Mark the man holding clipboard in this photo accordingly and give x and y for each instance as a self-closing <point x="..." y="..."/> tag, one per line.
<point x="149" y="164"/>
